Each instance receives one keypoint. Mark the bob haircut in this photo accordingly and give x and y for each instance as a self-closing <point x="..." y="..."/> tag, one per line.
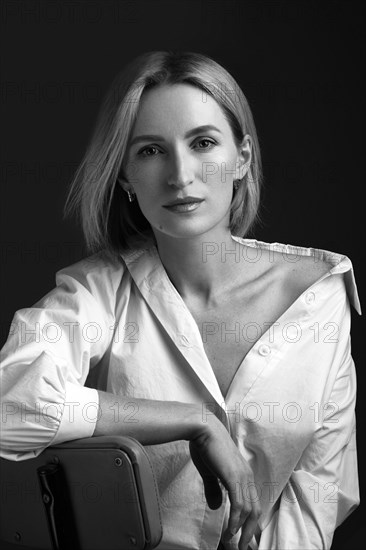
<point x="107" y="219"/>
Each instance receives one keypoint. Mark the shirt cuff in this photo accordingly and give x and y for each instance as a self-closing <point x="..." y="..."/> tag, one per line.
<point x="79" y="415"/>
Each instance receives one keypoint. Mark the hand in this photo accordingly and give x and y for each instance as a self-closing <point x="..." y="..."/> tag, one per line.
<point x="217" y="459"/>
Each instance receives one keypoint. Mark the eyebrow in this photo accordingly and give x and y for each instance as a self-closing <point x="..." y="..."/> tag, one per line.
<point x="190" y="133"/>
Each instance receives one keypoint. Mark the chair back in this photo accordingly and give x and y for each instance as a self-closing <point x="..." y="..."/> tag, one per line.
<point x="97" y="493"/>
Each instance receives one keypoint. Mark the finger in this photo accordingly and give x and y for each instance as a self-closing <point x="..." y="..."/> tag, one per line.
<point x="248" y="530"/>
<point x="238" y="515"/>
<point x="211" y="484"/>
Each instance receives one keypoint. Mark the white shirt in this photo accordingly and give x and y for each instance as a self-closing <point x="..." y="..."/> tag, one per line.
<point x="289" y="408"/>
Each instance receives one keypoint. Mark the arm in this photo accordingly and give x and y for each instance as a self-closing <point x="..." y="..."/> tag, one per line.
<point x="45" y="363"/>
<point x="213" y="452"/>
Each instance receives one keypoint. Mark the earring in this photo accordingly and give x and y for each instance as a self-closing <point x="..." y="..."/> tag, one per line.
<point x="236" y="184"/>
<point x="131" y="196"/>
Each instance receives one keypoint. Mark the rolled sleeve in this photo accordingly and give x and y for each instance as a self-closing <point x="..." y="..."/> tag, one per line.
<point x="46" y="359"/>
<point x="80" y="413"/>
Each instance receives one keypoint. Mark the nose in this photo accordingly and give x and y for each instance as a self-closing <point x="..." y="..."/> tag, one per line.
<point x="180" y="170"/>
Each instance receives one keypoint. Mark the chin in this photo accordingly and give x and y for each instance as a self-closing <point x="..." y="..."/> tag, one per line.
<point x="186" y="230"/>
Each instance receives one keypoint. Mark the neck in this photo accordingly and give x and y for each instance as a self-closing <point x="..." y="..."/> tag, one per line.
<point x="202" y="267"/>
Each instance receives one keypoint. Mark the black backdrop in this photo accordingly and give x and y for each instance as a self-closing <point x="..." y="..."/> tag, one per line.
<point x="300" y="65"/>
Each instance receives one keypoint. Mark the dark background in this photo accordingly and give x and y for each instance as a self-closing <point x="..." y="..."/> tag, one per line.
<point x="300" y="65"/>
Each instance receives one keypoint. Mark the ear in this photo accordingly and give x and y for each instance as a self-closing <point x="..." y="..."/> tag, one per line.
<point x="244" y="157"/>
<point x="124" y="184"/>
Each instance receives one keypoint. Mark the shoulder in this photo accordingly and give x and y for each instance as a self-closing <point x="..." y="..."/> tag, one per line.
<point x="298" y="262"/>
<point x="304" y="271"/>
<point x="100" y="274"/>
<point x="302" y="266"/>
<point x="297" y="273"/>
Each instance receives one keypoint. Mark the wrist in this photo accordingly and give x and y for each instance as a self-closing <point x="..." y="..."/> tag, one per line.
<point x="204" y="425"/>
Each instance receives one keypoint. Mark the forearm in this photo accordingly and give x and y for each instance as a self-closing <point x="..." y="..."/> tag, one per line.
<point x="149" y="421"/>
<point x="213" y="452"/>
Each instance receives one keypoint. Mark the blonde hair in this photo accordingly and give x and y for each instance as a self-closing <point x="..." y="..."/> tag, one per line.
<point x="107" y="219"/>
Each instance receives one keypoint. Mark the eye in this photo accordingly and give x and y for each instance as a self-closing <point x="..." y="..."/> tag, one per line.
<point x="206" y="144"/>
<point x="149" y="151"/>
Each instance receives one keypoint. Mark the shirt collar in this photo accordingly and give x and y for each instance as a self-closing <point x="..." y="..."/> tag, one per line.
<point x="144" y="261"/>
<point x="150" y="276"/>
<point x="340" y="263"/>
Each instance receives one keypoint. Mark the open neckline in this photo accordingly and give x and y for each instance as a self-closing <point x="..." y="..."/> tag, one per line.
<point x="260" y="340"/>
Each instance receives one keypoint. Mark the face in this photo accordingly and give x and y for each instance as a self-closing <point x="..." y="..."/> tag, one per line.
<point x="182" y="151"/>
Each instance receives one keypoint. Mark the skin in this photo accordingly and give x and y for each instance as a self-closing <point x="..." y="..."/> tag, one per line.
<point x="160" y="170"/>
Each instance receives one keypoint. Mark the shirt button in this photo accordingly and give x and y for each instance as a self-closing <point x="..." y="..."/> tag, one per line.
<point x="310" y="297"/>
<point x="264" y="350"/>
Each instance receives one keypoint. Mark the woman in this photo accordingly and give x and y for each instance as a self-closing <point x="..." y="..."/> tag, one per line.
<point x="227" y="357"/>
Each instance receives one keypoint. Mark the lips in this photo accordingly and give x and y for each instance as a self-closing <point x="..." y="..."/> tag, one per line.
<point x="184" y="205"/>
<point x="184" y="200"/>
